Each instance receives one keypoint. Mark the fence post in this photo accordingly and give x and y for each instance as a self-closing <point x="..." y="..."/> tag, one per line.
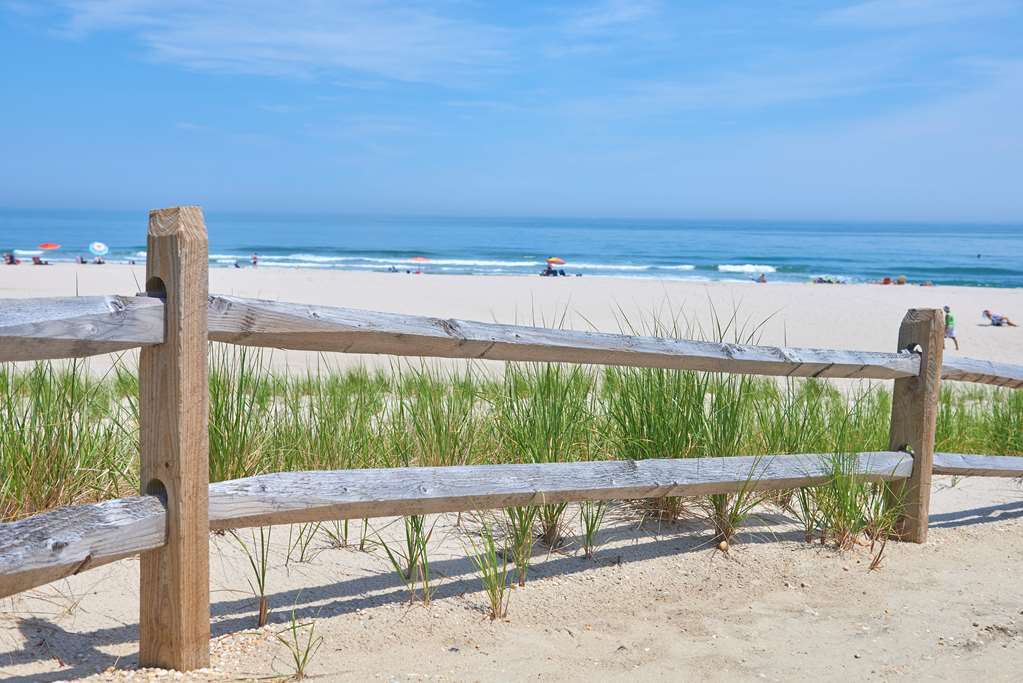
<point x="174" y="610"/>
<point x="914" y="417"/>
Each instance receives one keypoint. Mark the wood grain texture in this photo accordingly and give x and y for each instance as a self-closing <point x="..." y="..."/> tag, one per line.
<point x="914" y="418"/>
<point x="978" y="371"/>
<point x="174" y="621"/>
<point x="55" y="544"/>
<point x="290" y="497"/>
<point x="253" y="322"/>
<point x="75" y="327"/>
<point x="966" y="465"/>
<point x="66" y="541"/>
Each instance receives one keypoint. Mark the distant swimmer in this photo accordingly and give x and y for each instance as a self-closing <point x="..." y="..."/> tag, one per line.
<point x="255" y="259"/>
<point x="950" y="327"/>
<point x="998" y="320"/>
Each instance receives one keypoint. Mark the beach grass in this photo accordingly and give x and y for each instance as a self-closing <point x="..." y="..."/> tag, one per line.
<point x="68" y="436"/>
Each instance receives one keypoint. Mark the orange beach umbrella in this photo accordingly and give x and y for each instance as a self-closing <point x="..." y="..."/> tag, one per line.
<point x="49" y="245"/>
<point x="419" y="259"/>
<point x="556" y="261"/>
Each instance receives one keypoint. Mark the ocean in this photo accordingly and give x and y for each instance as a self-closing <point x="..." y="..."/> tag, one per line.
<point x="989" y="255"/>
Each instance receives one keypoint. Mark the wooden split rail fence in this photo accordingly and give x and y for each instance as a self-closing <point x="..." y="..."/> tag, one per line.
<point x="169" y="523"/>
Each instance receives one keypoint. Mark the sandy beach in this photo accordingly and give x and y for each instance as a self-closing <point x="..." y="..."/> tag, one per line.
<point x="657" y="602"/>
<point x="858" y="316"/>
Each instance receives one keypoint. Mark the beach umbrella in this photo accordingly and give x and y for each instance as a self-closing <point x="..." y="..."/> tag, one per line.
<point x="419" y="259"/>
<point x="98" y="249"/>
<point x="556" y="261"/>
<point x="49" y="245"/>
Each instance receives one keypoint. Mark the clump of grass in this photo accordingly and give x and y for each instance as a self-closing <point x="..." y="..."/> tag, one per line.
<point x="437" y="419"/>
<point x="63" y="439"/>
<point x="412" y="562"/>
<point x="301" y="641"/>
<point x="521" y="522"/>
<point x="299" y="544"/>
<point x="492" y="565"/>
<point x="591" y="514"/>
<point x="806" y="511"/>
<point x="335" y="533"/>
<point x="654" y="413"/>
<point x="852" y="511"/>
<point x="240" y="422"/>
<point x="544" y="415"/>
<point x="1004" y="423"/>
<point x="258" y="555"/>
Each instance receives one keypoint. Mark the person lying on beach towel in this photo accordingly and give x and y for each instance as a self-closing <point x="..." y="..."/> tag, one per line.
<point x="998" y="320"/>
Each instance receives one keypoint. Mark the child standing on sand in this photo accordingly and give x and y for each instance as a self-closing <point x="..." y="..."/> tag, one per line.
<point x="950" y="327"/>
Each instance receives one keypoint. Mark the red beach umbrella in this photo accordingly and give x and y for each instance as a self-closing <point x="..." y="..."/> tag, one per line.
<point x="49" y="245"/>
<point x="419" y="259"/>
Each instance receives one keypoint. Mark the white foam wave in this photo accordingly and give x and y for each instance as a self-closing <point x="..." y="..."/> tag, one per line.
<point x="608" y="266"/>
<point x="28" y="252"/>
<point x="291" y="264"/>
<point x="683" y="266"/>
<point x="746" y="268"/>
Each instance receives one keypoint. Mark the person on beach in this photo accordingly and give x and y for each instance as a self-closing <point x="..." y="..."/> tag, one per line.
<point x="9" y="259"/>
<point x="254" y="259"/>
<point x="998" y="320"/>
<point x="950" y="328"/>
<point x="762" y="279"/>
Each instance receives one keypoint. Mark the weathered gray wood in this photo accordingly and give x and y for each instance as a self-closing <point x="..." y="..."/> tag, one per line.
<point x="982" y="372"/>
<point x="253" y="322"/>
<point x="75" y="327"/>
<point x="52" y="545"/>
<point x="914" y="418"/>
<point x="291" y="497"/>
<point x="55" y="544"/>
<point x="966" y="465"/>
<point x="174" y="592"/>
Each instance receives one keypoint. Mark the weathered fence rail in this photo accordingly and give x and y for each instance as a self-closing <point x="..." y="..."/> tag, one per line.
<point x="963" y="465"/>
<point x="54" y="544"/>
<point x="71" y="327"/>
<point x="175" y="319"/>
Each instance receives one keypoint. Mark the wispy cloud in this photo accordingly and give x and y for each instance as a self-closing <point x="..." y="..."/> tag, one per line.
<point x="280" y="108"/>
<point x="305" y="38"/>
<point x="812" y="76"/>
<point x="610" y="14"/>
<point x="897" y="14"/>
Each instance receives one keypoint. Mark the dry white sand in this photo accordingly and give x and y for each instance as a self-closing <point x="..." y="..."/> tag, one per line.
<point x="656" y="604"/>
<point x="862" y="317"/>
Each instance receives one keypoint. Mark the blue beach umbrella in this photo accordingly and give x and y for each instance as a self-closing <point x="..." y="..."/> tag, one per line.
<point x="98" y="249"/>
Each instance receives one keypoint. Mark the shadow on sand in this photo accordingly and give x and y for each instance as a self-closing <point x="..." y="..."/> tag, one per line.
<point x="79" y="655"/>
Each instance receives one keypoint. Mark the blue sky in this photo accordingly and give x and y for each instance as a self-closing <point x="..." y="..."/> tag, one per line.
<point x="878" y="109"/>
